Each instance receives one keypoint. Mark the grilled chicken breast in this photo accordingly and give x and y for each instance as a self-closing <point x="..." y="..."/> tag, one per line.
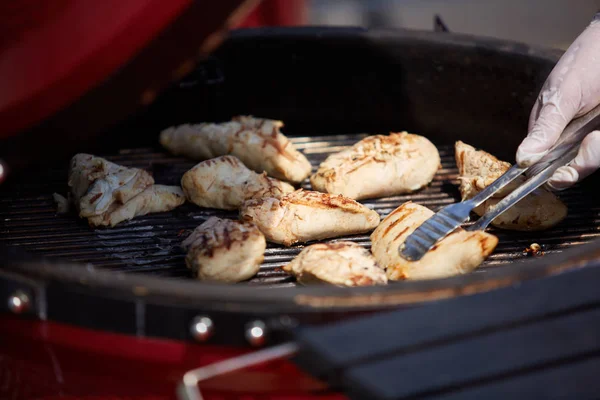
<point x="153" y="199"/>
<point x="379" y="166"/>
<point x="107" y="193"/>
<point x="225" y="182"/>
<point x="224" y="250"/>
<point x="339" y="263"/>
<point x="96" y="184"/>
<point x="477" y="169"/>
<point x="257" y="142"/>
<point x="458" y="253"/>
<point x="302" y="216"/>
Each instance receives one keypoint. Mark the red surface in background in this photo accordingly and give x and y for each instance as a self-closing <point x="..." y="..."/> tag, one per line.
<point x="52" y="52"/>
<point x="44" y="360"/>
<point x="276" y="13"/>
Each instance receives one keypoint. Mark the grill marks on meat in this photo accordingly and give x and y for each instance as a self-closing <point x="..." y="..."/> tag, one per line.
<point x="302" y="216"/>
<point x="458" y="253"/>
<point x="96" y="184"/>
<point x="153" y="199"/>
<point x="379" y="166"/>
<point x="338" y="263"/>
<point x="232" y="251"/>
<point x="107" y="193"/>
<point x="224" y="250"/>
<point x="478" y="169"/>
<point x="257" y="142"/>
<point x="225" y="183"/>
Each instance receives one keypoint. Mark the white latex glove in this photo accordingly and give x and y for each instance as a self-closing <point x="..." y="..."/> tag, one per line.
<point x="571" y="90"/>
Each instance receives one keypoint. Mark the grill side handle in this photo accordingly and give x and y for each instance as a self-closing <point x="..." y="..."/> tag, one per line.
<point x="188" y="389"/>
<point x="508" y="343"/>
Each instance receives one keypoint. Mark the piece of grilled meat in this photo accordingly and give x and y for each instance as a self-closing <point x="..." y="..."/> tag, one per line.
<point x="477" y="169"/>
<point x="225" y="182"/>
<point x="302" y="216"/>
<point x="153" y="199"/>
<point x="458" y="253"/>
<point x="257" y="142"/>
<point x="107" y="193"/>
<point x="379" y="166"/>
<point x="96" y="184"/>
<point x="338" y="263"/>
<point x="224" y="250"/>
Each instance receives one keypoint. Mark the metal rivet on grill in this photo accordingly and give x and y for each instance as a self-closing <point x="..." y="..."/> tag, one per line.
<point x="202" y="328"/>
<point x="256" y="333"/>
<point x="19" y="302"/>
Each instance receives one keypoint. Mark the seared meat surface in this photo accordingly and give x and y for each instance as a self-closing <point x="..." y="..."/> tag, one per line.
<point x="458" y="253"/>
<point x="477" y="169"/>
<point x="305" y="215"/>
<point x="153" y="199"/>
<point x="338" y="263"/>
<point x="107" y="193"/>
<point x="96" y="184"/>
<point x="257" y="142"/>
<point x="225" y="182"/>
<point x="224" y="250"/>
<point x="379" y="166"/>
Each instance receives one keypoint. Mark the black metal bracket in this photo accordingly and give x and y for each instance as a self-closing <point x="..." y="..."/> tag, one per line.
<point x="439" y="25"/>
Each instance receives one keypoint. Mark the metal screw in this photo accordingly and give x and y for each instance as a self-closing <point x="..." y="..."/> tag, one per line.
<point x="256" y="333"/>
<point x="202" y="328"/>
<point x="18" y="302"/>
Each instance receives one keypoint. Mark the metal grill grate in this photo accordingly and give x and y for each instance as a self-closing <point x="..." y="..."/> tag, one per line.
<point x="149" y="244"/>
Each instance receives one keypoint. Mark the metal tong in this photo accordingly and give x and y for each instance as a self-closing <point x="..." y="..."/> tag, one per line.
<point x="453" y="216"/>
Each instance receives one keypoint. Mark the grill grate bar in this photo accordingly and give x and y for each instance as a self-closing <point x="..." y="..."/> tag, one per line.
<point x="150" y="244"/>
<point x="83" y="247"/>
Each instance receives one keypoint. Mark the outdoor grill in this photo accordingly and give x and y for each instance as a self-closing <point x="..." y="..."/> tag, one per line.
<point x="331" y="87"/>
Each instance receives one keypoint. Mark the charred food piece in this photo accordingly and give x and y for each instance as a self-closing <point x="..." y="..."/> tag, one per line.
<point x="225" y="182"/>
<point x="339" y="263"/>
<point x="97" y="184"/>
<point x="153" y="199"/>
<point x="379" y="166"/>
<point x="534" y="250"/>
<point x="107" y="193"/>
<point x="257" y="142"/>
<point x="458" y="253"/>
<point x="304" y="215"/>
<point x="477" y="169"/>
<point x="224" y="250"/>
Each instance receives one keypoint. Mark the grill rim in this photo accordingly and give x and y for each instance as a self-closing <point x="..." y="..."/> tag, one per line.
<point x="299" y="298"/>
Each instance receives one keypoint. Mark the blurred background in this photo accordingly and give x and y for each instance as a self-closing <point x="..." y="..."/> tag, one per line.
<point x="551" y="23"/>
<point x="53" y="52"/>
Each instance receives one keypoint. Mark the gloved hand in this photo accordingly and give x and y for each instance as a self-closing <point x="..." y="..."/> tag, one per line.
<point x="571" y="90"/>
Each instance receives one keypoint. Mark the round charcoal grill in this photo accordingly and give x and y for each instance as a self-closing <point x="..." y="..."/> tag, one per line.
<point x="116" y="312"/>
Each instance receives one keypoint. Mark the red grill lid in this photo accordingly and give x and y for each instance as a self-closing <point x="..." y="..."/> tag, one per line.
<point x="54" y="52"/>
